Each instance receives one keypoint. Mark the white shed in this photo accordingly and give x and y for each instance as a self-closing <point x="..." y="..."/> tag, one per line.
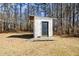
<point x="42" y="26"/>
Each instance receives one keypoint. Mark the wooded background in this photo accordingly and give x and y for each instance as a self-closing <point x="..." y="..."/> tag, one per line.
<point x="14" y="17"/>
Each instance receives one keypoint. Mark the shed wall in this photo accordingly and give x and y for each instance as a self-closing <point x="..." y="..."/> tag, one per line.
<point x="38" y="26"/>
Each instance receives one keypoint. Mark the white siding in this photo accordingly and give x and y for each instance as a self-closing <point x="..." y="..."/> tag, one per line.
<point x="38" y="26"/>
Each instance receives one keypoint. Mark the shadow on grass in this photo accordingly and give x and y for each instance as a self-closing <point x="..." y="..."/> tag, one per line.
<point x="24" y="36"/>
<point x="41" y="40"/>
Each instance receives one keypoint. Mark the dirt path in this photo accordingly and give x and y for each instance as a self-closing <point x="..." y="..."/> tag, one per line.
<point x="20" y="45"/>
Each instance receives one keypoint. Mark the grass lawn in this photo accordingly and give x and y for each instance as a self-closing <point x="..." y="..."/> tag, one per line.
<point x="22" y="46"/>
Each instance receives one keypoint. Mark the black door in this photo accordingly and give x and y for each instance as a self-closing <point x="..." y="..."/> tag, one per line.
<point x="45" y="28"/>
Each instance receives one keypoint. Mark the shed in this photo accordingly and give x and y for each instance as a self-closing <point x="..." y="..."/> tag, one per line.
<point x="42" y="26"/>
